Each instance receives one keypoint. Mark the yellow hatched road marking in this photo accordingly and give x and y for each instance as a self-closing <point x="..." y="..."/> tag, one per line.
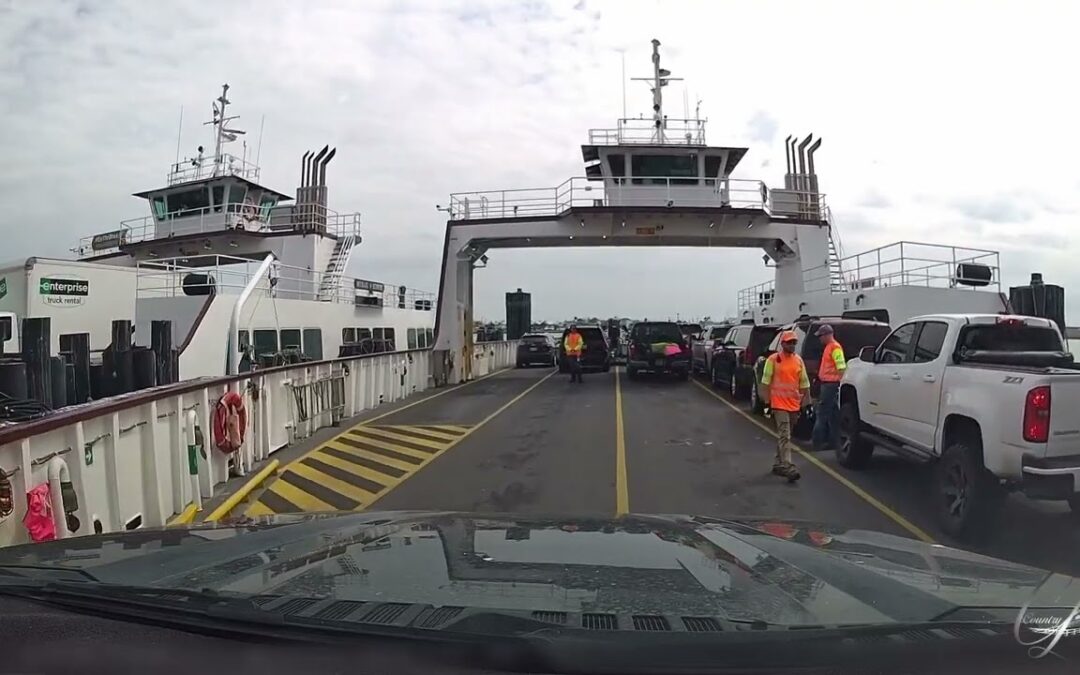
<point x="429" y="432"/>
<point x="357" y="470"/>
<point x="388" y="432"/>
<point x="387" y="445"/>
<point x="354" y="492"/>
<point x="366" y="454"/>
<point x="258" y="509"/>
<point x="298" y="497"/>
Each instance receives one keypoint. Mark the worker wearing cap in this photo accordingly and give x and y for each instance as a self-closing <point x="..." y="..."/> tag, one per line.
<point x="785" y="386"/>
<point x="573" y="345"/>
<point x="831" y="371"/>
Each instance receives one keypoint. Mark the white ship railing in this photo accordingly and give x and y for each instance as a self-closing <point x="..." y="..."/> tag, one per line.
<point x="635" y="191"/>
<point x="228" y="217"/>
<point x="908" y="263"/>
<point x="128" y="458"/>
<point x="212" y="167"/>
<point x="642" y="131"/>
<point x="165" y="278"/>
<point x="904" y="263"/>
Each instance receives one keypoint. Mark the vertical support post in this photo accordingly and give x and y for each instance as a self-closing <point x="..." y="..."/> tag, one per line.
<point x="152" y="494"/>
<point x="190" y="421"/>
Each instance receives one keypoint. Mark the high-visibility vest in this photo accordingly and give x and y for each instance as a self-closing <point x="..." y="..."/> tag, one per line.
<point x="574" y="344"/>
<point x="785" y="375"/>
<point x="833" y="364"/>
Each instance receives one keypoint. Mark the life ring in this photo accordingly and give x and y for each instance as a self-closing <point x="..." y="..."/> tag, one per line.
<point x="230" y="422"/>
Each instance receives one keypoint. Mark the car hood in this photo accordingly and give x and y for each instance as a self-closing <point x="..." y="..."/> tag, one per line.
<point x="781" y="573"/>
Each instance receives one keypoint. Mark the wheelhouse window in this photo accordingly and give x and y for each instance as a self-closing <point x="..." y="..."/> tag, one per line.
<point x="266" y="341"/>
<point x="411" y="337"/>
<point x="662" y="169"/>
<point x="219" y="197"/>
<point x="617" y="164"/>
<point x="348" y="335"/>
<point x="158" y="204"/>
<point x="181" y="203"/>
<point x="313" y="344"/>
<point x="290" y="338"/>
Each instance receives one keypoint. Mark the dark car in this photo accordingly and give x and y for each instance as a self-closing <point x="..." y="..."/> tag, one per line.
<point x="535" y="349"/>
<point x="645" y="351"/>
<point x="852" y="334"/>
<point x="733" y="362"/>
<point x="597" y="354"/>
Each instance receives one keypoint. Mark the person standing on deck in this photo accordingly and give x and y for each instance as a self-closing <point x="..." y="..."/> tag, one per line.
<point x="573" y="345"/>
<point x="785" y="386"/>
<point x="827" y="415"/>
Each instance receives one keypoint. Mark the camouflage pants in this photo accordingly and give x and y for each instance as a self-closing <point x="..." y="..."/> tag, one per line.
<point x="784" y="422"/>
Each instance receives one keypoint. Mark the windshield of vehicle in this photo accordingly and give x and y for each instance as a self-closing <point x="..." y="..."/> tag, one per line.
<point x="851" y="336"/>
<point x="1008" y="338"/>
<point x="657" y="332"/>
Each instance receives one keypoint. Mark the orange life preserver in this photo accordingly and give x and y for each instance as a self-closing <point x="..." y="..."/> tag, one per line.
<point x="230" y="422"/>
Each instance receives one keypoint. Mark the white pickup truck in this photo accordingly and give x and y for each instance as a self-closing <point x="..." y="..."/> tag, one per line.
<point x="992" y="400"/>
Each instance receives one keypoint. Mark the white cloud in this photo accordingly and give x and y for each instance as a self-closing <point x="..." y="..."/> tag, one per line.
<point x="427" y="98"/>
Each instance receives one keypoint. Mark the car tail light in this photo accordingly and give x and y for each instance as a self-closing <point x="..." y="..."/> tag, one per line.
<point x="748" y="357"/>
<point x="1037" y="415"/>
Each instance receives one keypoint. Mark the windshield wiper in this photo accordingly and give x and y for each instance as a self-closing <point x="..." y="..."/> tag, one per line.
<point x="45" y="573"/>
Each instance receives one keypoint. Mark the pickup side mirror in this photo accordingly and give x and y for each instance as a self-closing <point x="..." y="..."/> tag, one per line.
<point x="867" y="354"/>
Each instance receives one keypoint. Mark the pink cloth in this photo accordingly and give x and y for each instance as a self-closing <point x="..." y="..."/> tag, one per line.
<point x="672" y="350"/>
<point x="39" y="514"/>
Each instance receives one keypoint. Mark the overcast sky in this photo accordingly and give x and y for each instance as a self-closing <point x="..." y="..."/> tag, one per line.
<point x="948" y="122"/>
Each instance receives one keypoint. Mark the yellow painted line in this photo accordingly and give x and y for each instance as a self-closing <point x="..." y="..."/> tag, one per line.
<point x="366" y="454"/>
<point x="903" y="522"/>
<point x="333" y="484"/>
<point x="428" y="433"/>
<point x="304" y="501"/>
<point x="361" y="471"/>
<point x="378" y="441"/>
<point x="258" y="509"/>
<point x="468" y="433"/>
<point x="186" y="516"/>
<point x="239" y="496"/>
<point x="389" y="433"/>
<point x="622" y="491"/>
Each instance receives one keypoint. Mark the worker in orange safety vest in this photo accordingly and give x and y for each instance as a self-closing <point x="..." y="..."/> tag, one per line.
<point x="786" y="386"/>
<point x="827" y="413"/>
<point x="573" y="345"/>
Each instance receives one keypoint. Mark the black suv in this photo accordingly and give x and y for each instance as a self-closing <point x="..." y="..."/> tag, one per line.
<point x="597" y="354"/>
<point x="645" y="357"/>
<point x="852" y="334"/>
<point x="535" y="348"/>
<point x="733" y="361"/>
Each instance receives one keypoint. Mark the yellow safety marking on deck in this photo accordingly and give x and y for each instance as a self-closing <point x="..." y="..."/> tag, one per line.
<point x="330" y="483"/>
<point x="392" y="433"/>
<point x="355" y="477"/>
<point x="903" y="522"/>
<point x="367" y="454"/>
<point x="302" y="500"/>
<point x="622" y="490"/>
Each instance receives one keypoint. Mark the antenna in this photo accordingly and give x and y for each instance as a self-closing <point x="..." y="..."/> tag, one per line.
<point x="660" y="79"/>
<point x="179" y="131"/>
<point x="258" y="146"/>
<point x="623" y="83"/>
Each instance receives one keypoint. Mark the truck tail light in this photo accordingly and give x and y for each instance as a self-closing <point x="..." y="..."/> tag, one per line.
<point x="748" y="357"/>
<point x="1037" y="415"/>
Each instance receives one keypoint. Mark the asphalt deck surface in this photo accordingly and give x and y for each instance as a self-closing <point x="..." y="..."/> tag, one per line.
<point x="529" y="441"/>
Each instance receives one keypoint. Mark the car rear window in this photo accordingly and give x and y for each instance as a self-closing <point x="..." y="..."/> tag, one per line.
<point x="656" y="332"/>
<point x="851" y="336"/>
<point x="760" y="337"/>
<point x="1006" y="338"/>
<point x="534" y="339"/>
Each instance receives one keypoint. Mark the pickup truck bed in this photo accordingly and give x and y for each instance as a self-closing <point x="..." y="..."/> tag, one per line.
<point x="991" y="420"/>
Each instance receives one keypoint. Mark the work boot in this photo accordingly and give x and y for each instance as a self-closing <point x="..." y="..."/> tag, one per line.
<point x="791" y="473"/>
<point x="778" y="468"/>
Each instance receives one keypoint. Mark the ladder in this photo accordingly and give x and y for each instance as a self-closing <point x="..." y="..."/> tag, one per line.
<point x="330" y="285"/>
<point x="836" y="270"/>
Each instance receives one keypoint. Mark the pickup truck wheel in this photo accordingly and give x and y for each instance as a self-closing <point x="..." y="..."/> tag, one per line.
<point x="631" y="372"/>
<point x="714" y="377"/>
<point x="683" y="375"/>
<point x="969" y="496"/>
<point x="854" y="451"/>
<point x="733" y="386"/>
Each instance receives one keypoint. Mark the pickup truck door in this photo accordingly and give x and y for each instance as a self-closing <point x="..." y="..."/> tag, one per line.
<point x="919" y="396"/>
<point x="885" y="398"/>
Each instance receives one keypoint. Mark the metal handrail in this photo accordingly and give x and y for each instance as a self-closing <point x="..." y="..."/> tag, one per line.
<point x="581" y="191"/>
<point x="210" y="167"/>
<point x="906" y="263"/>
<point x="164" y="278"/>
<point x="233" y="216"/>
<point x="643" y="131"/>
